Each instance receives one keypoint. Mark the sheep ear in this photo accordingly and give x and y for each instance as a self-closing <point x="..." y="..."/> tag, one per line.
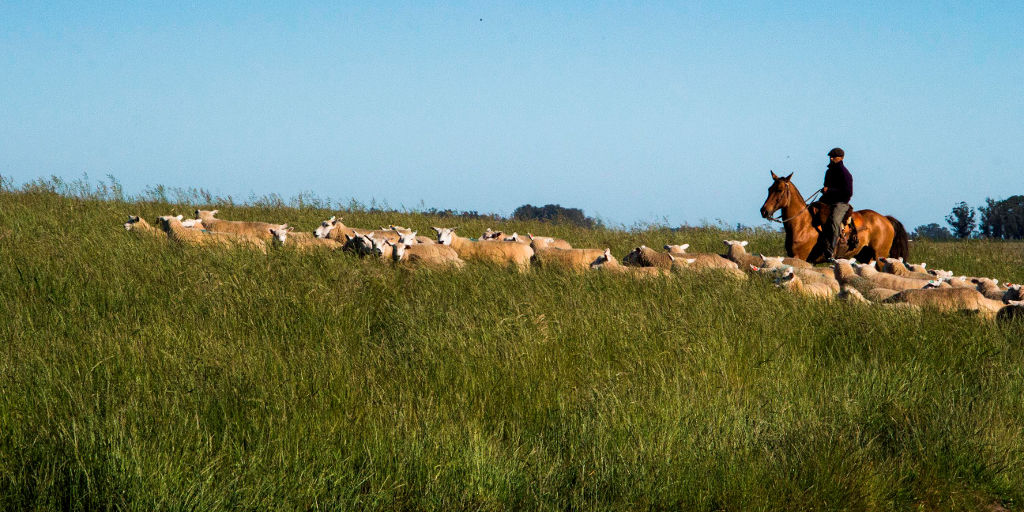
<point x="1016" y="303"/>
<point x="685" y="246"/>
<point x="667" y="247"/>
<point x="689" y="261"/>
<point x="180" y="217"/>
<point x="414" y="234"/>
<point x="743" y="243"/>
<point x="347" y="237"/>
<point x="924" y="265"/>
<point x="727" y="243"/>
<point x="214" y="212"/>
<point x="290" y="229"/>
<point x="900" y="259"/>
<point x="455" y="228"/>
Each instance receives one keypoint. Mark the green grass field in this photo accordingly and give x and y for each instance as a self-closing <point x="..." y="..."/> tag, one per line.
<point x="140" y="375"/>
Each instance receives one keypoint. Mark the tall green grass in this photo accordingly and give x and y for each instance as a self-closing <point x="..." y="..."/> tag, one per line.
<point x="140" y="375"/>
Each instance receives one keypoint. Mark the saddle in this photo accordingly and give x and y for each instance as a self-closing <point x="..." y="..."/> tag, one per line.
<point x="820" y="214"/>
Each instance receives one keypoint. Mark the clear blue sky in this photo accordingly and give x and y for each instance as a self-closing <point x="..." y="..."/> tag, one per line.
<point x="631" y="111"/>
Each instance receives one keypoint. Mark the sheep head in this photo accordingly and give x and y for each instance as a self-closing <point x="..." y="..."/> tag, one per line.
<point x="445" y="236"/>
<point x="206" y="215"/>
<point x="676" y="249"/>
<point x="280" y="233"/>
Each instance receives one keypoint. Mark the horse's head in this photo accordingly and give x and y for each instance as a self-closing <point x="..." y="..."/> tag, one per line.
<point x="778" y="195"/>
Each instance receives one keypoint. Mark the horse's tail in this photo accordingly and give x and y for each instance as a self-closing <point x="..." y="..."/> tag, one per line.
<point x="900" y="241"/>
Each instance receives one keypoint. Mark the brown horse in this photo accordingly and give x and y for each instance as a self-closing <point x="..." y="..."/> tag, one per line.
<point x="878" y="235"/>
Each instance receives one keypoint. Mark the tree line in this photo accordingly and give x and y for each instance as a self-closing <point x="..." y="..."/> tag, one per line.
<point x="1000" y="219"/>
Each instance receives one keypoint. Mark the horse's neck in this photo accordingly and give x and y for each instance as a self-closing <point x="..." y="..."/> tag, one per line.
<point x="797" y="220"/>
<point x="796" y="210"/>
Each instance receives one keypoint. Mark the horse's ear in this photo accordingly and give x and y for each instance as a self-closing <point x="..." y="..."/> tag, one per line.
<point x="774" y="176"/>
<point x="788" y="177"/>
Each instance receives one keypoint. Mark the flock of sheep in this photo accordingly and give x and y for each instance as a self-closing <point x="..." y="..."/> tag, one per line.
<point x="889" y="282"/>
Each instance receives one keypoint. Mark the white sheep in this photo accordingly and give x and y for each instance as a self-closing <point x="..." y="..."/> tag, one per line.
<point x="544" y="242"/>
<point x="737" y="252"/>
<point x="896" y="267"/>
<point x="573" y="259"/>
<point x="607" y="263"/>
<point x="886" y="280"/>
<point x="259" y="230"/>
<point x="846" y="277"/>
<point x="644" y="256"/>
<point x="500" y="253"/>
<point x="426" y="255"/>
<point x="137" y="225"/>
<point x="949" y="299"/>
<point x="792" y="282"/>
<point x="676" y="250"/>
<point x="178" y="233"/>
<point x="286" y="236"/>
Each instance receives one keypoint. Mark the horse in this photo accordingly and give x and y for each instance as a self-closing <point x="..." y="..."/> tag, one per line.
<point x="878" y="235"/>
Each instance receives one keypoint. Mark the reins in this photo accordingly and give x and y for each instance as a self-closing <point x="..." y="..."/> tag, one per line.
<point x="807" y="204"/>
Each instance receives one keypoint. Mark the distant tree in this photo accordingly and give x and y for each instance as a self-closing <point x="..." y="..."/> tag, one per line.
<point x="1003" y="219"/>
<point x="961" y="219"/>
<point x="932" y="231"/>
<point x="553" y="213"/>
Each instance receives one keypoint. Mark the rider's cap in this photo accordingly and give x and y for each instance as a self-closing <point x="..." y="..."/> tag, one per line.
<point x="836" y="152"/>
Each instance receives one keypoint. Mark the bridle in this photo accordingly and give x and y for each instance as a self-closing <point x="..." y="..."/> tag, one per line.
<point x="807" y="204"/>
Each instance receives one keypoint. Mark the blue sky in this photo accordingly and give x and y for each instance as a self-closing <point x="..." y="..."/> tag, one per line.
<point x="632" y="111"/>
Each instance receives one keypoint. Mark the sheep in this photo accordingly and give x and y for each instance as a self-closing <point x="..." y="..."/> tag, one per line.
<point x="644" y="256"/>
<point x="959" y="282"/>
<point x="139" y="226"/>
<point x="1012" y="311"/>
<point x="491" y="235"/>
<point x="259" y="230"/>
<point x="1012" y="294"/>
<point x="896" y="267"/>
<point x="792" y="282"/>
<point x="949" y="299"/>
<point x="736" y="252"/>
<point x="847" y="278"/>
<point x="573" y="259"/>
<point x="917" y="267"/>
<point x="807" y="276"/>
<point x="333" y="228"/>
<point x="501" y="253"/>
<point x="676" y="250"/>
<point x="701" y="261"/>
<point x="284" y="235"/>
<point x="793" y="262"/>
<point x="988" y="287"/>
<point x="357" y="243"/>
<point x="543" y="242"/>
<point x="177" y="233"/>
<point x="426" y="255"/>
<point x="886" y="280"/>
<point x="607" y="263"/>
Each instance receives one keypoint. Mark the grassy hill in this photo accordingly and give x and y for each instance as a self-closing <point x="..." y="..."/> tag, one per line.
<point x="139" y="375"/>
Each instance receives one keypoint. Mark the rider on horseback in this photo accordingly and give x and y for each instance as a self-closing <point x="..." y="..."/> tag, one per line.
<point x="837" y="192"/>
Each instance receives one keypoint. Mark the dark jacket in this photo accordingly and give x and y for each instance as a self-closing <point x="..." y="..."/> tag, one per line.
<point x="839" y="183"/>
